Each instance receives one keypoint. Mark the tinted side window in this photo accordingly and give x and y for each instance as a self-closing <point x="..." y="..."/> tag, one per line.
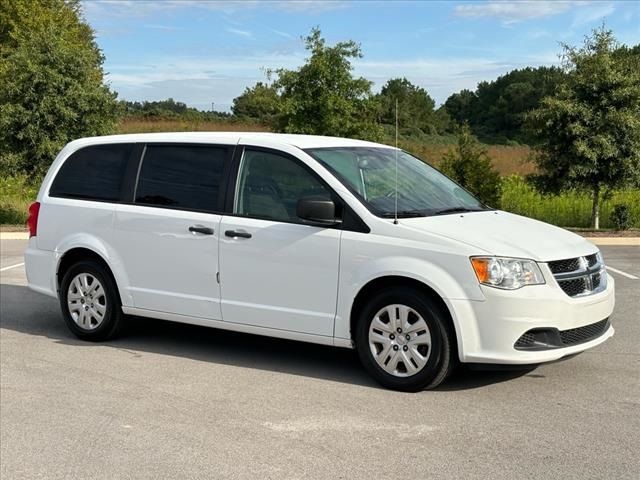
<point x="270" y="185"/>
<point x="93" y="173"/>
<point x="181" y="176"/>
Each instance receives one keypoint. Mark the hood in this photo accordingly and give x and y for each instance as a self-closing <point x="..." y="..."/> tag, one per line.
<point x="505" y="234"/>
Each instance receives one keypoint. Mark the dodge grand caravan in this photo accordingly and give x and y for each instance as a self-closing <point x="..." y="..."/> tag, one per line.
<point x="325" y="240"/>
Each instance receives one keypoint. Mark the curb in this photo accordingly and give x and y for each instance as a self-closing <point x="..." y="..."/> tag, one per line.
<point x="14" y="235"/>
<point x="620" y="241"/>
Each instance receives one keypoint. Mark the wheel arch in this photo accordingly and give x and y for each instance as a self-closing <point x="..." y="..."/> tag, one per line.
<point x="78" y="253"/>
<point x="75" y="255"/>
<point x="381" y="283"/>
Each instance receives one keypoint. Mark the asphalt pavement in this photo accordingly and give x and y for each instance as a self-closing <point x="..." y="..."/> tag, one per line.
<point x="177" y="401"/>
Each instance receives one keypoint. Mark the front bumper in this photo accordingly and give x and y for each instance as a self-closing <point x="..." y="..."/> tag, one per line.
<point x="489" y="330"/>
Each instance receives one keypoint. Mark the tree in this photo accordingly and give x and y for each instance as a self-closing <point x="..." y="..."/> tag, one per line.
<point x="460" y="105"/>
<point x="442" y="121"/>
<point x="322" y="97"/>
<point x="51" y="82"/>
<point x="261" y="102"/>
<point x="415" y="106"/>
<point x="470" y="166"/>
<point x="588" y="134"/>
<point x="496" y="110"/>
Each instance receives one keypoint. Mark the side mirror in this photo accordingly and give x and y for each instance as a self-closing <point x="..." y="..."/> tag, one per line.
<point x="317" y="211"/>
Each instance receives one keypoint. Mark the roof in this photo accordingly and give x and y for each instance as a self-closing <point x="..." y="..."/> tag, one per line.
<point x="300" y="141"/>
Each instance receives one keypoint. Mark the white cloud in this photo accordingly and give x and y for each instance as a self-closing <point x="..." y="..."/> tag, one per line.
<point x="514" y="11"/>
<point x="200" y="80"/>
<point x="282" y="34"/>
<point x="442" y="77"/>
<point x="593" y="13"/>
<point x="167" y="28"/>
<point x="133" y="76"/>
<point x="538" y="34"/>
<point x="141" y="8"/>
<point x="241" y="33"/>
<point x="308" y="6"/>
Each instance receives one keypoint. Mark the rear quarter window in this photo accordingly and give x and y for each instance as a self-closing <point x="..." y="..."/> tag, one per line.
<point x="93" y="173"/>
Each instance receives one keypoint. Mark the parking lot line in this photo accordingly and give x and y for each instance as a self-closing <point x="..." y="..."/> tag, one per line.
<point x="620" y="272"/>
<point x="11" y="266"/>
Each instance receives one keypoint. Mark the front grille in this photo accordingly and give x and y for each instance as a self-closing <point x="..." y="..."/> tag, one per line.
<point x="549" y="338"/>
<point x="579" y="276"/>
<point x="526" y="340"/>
<point x="575" y="287"/>
<point x="564" y="266"/>
<point x="584" y="334"/>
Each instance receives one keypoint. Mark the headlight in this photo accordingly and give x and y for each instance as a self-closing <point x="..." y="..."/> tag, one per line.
<point x="507" y="273"/>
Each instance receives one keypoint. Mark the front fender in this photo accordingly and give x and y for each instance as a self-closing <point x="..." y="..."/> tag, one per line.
<point x="361" y="270"/>
<point x="424" y="271"/>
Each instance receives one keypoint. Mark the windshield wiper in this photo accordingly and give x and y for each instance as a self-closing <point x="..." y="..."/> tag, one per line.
<point x="456" y="210"/>
<point x="404" y="214"/>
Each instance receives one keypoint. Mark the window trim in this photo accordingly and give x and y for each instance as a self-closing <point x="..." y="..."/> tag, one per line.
<point x="122" y="190"/>
<point x="228" y="157"/>
<point x="355" y="224"/>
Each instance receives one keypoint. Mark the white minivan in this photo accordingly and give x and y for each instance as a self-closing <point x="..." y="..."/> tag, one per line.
<point x="325" y="240"/>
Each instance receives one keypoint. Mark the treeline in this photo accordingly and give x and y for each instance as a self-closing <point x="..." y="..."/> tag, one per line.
<point x="496" y="111"/>
<point x="322" y="97"/>
<point x="417" y="115"/>
<point x="167" y="109"/>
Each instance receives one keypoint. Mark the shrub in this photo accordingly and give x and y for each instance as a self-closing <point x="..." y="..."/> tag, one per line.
<point x="16" y="193"/>
<point x="621" y="216"/>
<point x="469" y="165"/>
<point x="569" y="209"/>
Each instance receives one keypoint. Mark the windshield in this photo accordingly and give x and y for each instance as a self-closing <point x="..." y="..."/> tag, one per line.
<point x="370" y="173"/>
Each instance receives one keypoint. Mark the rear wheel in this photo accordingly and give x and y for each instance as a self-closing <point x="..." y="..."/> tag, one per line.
<point x="404" y="340"/>
<point x="89" y="301"/>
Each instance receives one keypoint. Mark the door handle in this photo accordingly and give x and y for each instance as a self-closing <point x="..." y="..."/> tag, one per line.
<point x="237" y="234"/>
<point x="201" y="229"/>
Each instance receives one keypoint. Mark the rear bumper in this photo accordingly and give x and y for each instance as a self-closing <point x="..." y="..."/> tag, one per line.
<point x="490" y="329"/>
<point x="40" y="266"/>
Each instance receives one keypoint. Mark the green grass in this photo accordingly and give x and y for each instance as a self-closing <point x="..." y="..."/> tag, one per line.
<point x="16" y="194"/>
<point x="571" y="209"/>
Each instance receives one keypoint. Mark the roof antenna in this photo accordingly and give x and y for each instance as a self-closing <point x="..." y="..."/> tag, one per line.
<point x="395" y="212"/>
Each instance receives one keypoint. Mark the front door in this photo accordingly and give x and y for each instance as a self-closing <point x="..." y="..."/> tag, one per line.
<point x="276" y="271"/>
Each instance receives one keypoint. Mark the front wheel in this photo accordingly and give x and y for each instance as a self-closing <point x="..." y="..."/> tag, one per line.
<point x="404" y="340"/>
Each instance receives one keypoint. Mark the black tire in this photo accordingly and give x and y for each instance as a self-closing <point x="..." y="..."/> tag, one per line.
<point x="113" y="316"/>
<point x="442" y="356"/>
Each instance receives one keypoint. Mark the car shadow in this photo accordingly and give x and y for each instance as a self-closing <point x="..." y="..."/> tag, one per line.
<point x="30" y="313"/>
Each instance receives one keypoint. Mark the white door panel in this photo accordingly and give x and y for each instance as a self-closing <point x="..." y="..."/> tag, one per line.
<point x="285" y="276"/>
<point x="170" y="269"/>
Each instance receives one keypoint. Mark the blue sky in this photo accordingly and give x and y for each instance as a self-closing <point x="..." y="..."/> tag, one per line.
<point x="201" y="52"/>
